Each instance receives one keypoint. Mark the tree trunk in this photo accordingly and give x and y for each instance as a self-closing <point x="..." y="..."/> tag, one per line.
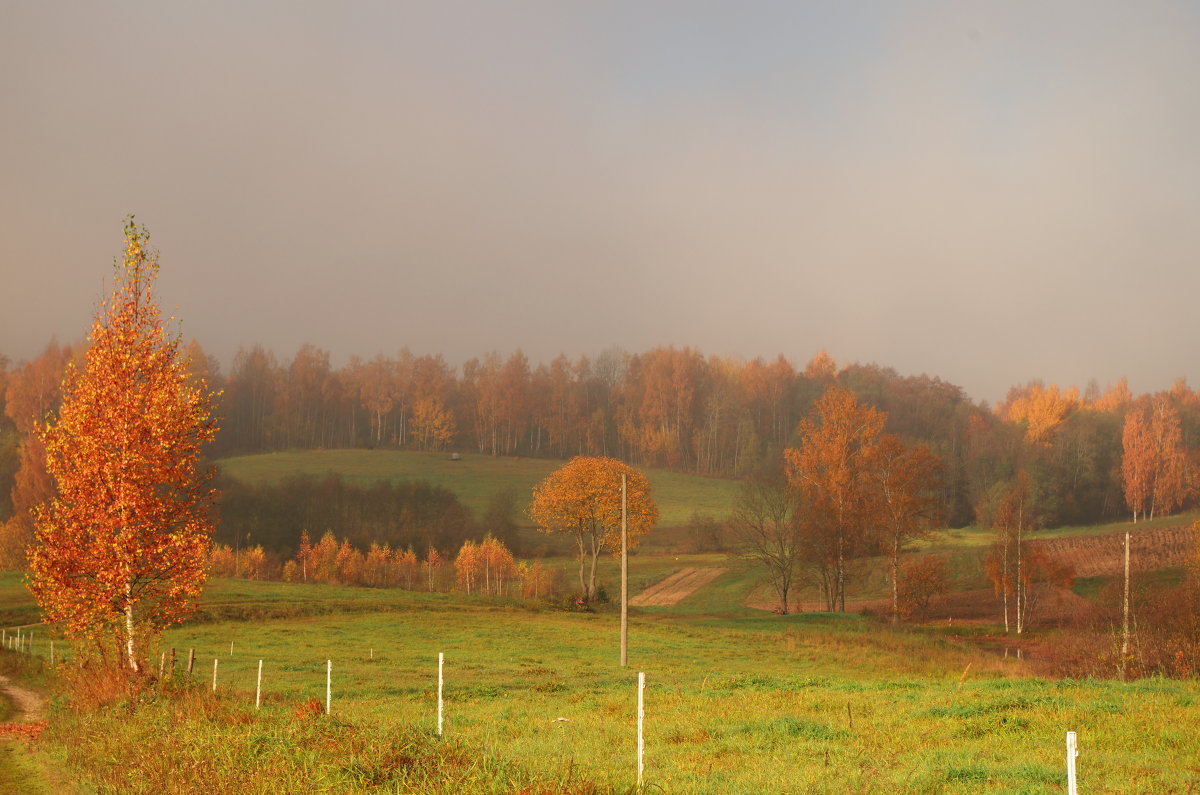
<point x="129" y="626"/>
<point x="1004" y="582"/>
<point x="591" y="591"/>
<point x="841" y="576"/>
<point x="895" y="577"/>
<point x="1020" y="585"/>
<point x="582" y="583"/>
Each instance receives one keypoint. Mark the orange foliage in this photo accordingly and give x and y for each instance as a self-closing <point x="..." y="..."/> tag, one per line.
<point x="467" y="565"/>
<point x="498" y="565"/>
<point x="921" y="579"/>
<point x="832" y="473"/>
<point x="1115" y="399"/>
<point x="123" y="549"/>
<point x="406" y="565"/>
<point x="1042" y="409"/>
<point x="908" y="479"/>
<point x="1154" y="462"/>
<point x="821" y="368"/>
<point x="432" y="564"/>
<point x="583" y="498"/>
<point x="432" y="424"/>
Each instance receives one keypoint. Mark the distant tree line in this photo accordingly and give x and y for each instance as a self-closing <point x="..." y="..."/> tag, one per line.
<point x="667" y="407"/>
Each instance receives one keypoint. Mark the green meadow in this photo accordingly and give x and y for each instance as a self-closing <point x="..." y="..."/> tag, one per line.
<point x="535" y="701"/>
<point x="474" y="479"/>
<point x="737" y="700"/>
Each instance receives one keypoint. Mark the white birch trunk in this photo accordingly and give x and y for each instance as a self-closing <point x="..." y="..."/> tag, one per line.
<point x="130" y="650"/>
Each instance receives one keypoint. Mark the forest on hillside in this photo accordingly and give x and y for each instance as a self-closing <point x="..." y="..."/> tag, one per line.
<point x="667" y="407"/>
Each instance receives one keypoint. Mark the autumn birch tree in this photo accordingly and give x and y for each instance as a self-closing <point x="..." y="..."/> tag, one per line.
<point x="832" y="474"/>
<point x="121" y="552"/>
<point x="582" y="498"/>
<point x="908" y="478"/>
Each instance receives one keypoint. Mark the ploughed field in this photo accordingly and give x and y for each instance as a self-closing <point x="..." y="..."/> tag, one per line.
<point x="737" y="700"/>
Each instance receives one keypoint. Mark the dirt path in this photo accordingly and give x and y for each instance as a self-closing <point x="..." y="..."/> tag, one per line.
<point x="675" y="588"/>
<point x="21" y="771"/>
<point x="31" y="708"/>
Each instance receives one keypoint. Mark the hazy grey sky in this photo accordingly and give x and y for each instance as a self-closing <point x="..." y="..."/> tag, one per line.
<point x="987" y="192"/>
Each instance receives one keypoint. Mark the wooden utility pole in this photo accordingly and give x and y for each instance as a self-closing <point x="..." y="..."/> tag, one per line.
<point x="624" y="577"/>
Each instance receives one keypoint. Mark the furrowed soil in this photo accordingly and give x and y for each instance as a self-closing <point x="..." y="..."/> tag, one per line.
<point x="676" y="588"/>
<point x="1103" y="555"/>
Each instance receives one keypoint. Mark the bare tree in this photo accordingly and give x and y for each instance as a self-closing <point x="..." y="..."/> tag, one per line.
<point x="767" y="530"/>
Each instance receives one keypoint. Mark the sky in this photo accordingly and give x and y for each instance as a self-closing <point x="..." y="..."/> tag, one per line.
<point x="984" y="192"/>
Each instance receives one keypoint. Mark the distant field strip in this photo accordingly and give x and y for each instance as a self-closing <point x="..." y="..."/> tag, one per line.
<point x="1149" y="549"/>
<point x="675" y="588"/>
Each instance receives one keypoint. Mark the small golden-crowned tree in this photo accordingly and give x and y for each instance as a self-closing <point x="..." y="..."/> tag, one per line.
<point x="583" y="498"/>
<point x="122" y="551"/>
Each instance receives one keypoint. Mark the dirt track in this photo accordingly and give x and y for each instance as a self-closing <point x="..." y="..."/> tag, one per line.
<point x="673" y="589"/>
<point x="31" y="708"/>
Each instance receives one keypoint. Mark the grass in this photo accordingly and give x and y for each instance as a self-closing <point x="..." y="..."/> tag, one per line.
<point x="474" y="479"/>
<point x="736" y="701"/>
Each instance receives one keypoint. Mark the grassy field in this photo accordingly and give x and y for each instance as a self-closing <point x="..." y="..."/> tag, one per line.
<point x="475" y="478"/>
<point x="736" y="701"/>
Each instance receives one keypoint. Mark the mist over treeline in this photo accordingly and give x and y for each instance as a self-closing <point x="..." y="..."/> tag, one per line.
<point x="667" y="407"/>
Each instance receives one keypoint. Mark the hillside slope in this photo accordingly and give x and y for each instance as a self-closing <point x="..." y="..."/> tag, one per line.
<point x="475" y="478"/>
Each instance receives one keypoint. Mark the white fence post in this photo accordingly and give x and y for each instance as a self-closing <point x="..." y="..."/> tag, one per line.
<point x="641" y="718"/>
<point x="328" y="685"/>
<point x="1072" y="753"/>
<point x="215" y="661"/>
<point x="441" y="659"/>
<point x="258" y="689"/>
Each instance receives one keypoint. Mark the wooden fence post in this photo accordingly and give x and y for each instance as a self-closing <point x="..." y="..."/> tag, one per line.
<point x="440" y="660"/>
<point x="215" y="661"/>
<point x="258" y="689"/>
<point x="1072" y="753"/>
<point x="641" y="718"/>
<point x="328" y="685"/>
<point x="172" y="662"/>
<point x="191" y="660"/>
